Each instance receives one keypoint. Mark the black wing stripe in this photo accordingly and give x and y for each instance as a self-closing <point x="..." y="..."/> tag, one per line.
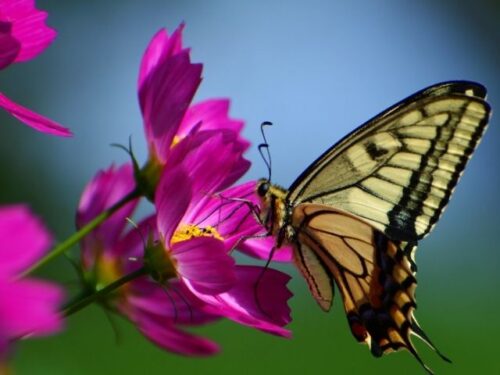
<point x="401" y="223"/>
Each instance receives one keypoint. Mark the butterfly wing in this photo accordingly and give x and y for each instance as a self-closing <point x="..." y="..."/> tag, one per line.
<point x="375" y="276"/>
<point x="398" y="170"/>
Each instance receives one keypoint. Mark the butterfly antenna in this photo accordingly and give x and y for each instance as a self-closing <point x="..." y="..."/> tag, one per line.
<point x="265" y="146"/>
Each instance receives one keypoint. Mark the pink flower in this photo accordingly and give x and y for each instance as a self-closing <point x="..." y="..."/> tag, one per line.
<point x="23" y="36"/>
<point x="166" y="85"/>
<point x="108" y="254"/>
<point x="195" y="155"/>
<point x="202" y="212"/>
<point x="190" y="206"/>
<point x="28" y="307"/>
<point x="197" y="253"/>
<point x="197" y="281"/>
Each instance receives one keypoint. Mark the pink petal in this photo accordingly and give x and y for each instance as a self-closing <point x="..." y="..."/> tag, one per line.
<point x="23" y="239"/>
<point x="29" y="307"/>
<point x="212" y="114"/>
<point x="205" y="263"/>
<point x="9" y="46"/>
<point x="164" y="97"/>
<point x="271" y="312"/>
<point x="260" y="248"/>
<point x="160" y="48"/>
<point x="172" y="301"/>
<point x="32" y="119"/>
<point x="172" y="198"/>
<point x="163" y="333"/>
<point x="272" y="294"/>
<point x="211" y="162"/>
<point x="105" y="189"/>
<point x="28" y="27"/>
<point x="233" y="213"/>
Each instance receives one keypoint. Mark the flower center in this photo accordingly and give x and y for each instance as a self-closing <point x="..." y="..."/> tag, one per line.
<point x="158" y="259"/>
<point x="188" y="231"/>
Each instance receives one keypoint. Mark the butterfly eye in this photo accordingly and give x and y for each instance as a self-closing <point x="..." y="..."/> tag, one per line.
<point x="263" y="188"/>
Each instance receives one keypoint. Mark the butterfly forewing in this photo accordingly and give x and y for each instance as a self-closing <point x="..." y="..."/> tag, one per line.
<point x="398" y="170"/>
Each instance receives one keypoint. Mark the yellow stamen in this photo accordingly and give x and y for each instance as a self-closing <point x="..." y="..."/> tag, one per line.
<point x="188" y="231"/>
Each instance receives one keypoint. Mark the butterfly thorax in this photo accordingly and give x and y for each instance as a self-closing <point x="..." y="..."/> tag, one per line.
<point x="275" y="211"/>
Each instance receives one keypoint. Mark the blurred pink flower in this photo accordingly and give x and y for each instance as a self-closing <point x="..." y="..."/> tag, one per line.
<point x="23" y="36"/>
<point x="106" y="188"/>
<point x="28" y="307"/>
<point x="166" y="85"/>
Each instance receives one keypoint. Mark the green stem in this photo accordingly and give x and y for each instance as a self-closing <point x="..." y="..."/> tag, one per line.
<point x="87" y="300"/>
<point x="86" y="229"/>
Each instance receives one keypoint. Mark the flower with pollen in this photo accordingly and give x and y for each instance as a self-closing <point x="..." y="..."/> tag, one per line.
<point x="186" y="247"/>
<point x="110" y="252"/>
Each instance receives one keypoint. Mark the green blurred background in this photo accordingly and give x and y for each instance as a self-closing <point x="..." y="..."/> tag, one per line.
<point x="316" y="69"/>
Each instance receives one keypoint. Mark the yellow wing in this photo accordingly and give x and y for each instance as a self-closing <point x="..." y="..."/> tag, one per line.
<point x="375" y="276"/>
<point x="398" y="170"/>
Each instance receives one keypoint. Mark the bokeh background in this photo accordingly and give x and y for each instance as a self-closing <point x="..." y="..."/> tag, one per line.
<point x="316" y="69"/>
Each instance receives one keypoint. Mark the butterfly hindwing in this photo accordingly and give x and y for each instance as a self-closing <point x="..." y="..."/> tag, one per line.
<point x="317" y="275"/>
<point x="398" y="170"/>
<point x="375" y="275"/>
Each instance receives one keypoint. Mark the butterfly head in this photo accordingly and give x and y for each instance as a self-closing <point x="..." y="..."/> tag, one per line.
<point x="263" y="187"/>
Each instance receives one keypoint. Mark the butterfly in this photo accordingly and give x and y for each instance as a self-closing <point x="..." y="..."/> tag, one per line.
<point x="355" y="215"/>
